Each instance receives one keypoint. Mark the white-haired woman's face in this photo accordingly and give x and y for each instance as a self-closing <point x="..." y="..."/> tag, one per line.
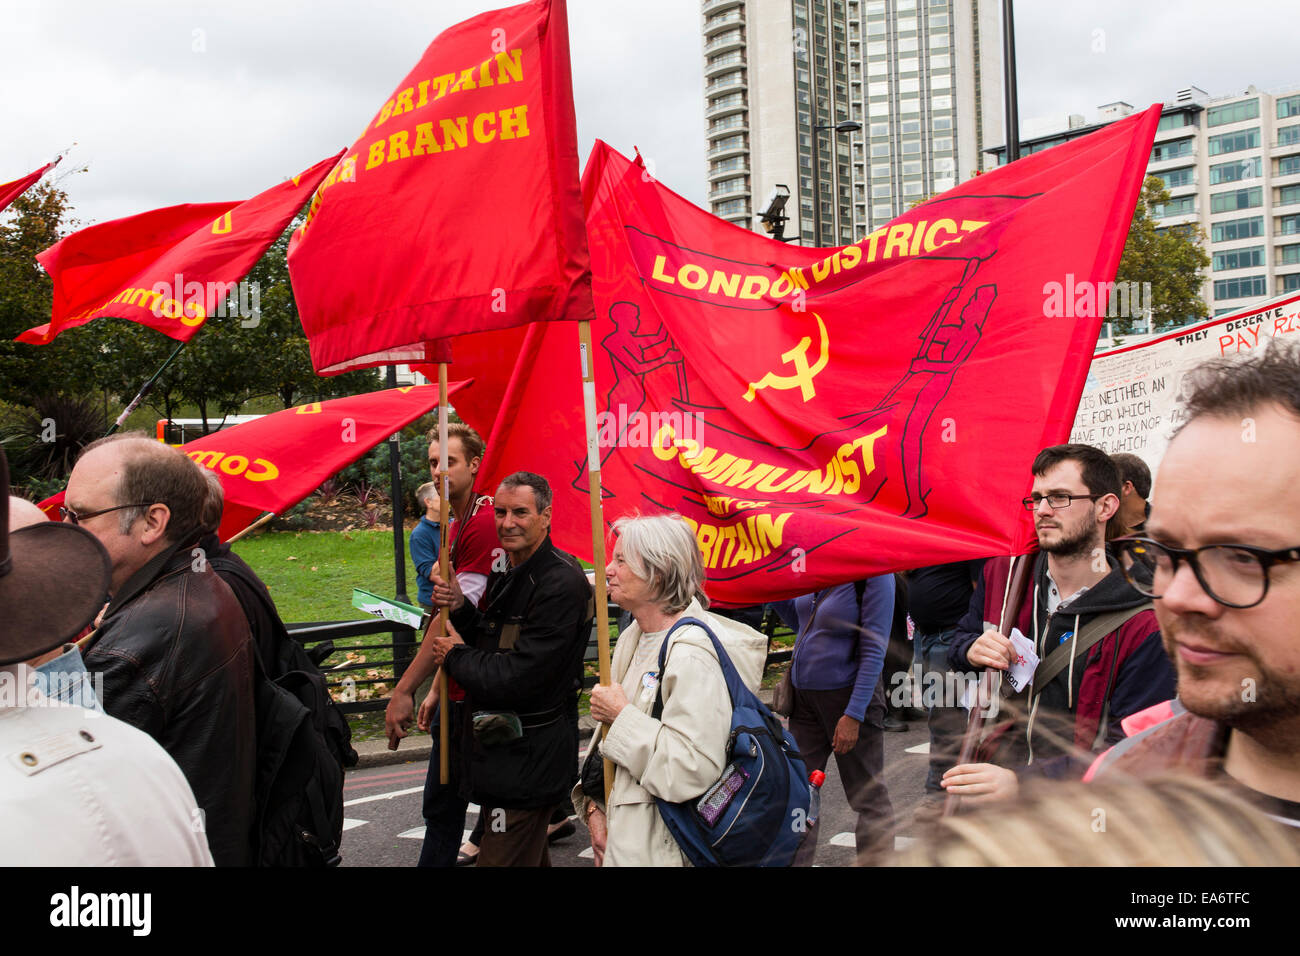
<point x="624" y="588"/>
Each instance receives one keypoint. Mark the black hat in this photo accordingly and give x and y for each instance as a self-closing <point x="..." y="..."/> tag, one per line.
<point x="54" y="578"/>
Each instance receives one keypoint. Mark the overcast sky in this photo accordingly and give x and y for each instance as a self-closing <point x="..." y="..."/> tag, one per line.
<point x="192" y="101"/>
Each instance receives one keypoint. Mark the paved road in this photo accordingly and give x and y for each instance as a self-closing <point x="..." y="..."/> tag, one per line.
<point x="384" y="826"/>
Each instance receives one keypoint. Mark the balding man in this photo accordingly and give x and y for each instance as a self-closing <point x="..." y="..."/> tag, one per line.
<point x="174" y="646"/>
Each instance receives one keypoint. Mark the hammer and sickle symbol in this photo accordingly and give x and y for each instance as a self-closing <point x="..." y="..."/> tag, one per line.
<point x="802" y="378"/>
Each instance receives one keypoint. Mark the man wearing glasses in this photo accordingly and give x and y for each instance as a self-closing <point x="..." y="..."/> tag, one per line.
<point x="1220" y="558"/>
<point x="1096" y="638"/>
<point x="173" y="644"/>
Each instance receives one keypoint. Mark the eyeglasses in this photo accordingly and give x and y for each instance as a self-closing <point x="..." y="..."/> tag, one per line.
<point x="69" y="515"/>
<point x="1055" y="502"/>
<point x="1235" y="575"/>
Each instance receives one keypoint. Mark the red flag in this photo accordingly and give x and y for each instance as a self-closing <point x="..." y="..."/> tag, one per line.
<point x="11" y="191"/>
<point x="274" y="462"/>
<point x="820" y="415"/>
<point x="168" y="268"/>
<point x="457" y="210"/>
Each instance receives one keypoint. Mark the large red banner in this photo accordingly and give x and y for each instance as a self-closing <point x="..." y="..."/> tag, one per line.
<point x="167" y="268"/>
<point x="819" y="415"/>
<point x="12" y="190"/>
<point x="458" y="209"/>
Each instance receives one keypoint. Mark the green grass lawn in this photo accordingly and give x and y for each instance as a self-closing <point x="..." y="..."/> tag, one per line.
<point x="311" y="574"/>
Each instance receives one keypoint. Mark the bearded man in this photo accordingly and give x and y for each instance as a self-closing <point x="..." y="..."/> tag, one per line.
<point x="1096" y="637"/>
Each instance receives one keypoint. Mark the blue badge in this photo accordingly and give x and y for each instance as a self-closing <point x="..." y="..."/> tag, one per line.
<point x="649" y="679"/>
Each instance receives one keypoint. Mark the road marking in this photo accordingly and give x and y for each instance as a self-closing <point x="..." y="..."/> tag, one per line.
<point x="349" y="824"/>
<point x="844" y="839"/>
<point x="415" y="833"/>
<point x="383" y="796"/>
<point x="919" y="749"/>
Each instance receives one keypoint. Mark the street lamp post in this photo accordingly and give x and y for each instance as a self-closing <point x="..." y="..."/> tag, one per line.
<point x="848" y="126"/>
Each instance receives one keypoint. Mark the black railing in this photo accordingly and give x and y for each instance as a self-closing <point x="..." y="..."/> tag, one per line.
<point x="322" y="638"/>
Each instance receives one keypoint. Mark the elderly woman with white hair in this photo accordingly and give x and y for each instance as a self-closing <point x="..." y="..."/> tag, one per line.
<point x="656" y="573"/>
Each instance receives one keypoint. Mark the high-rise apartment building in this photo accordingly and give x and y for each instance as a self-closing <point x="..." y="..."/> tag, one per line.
<point x="923" y="78"/>
<point x="1232" y="166"/>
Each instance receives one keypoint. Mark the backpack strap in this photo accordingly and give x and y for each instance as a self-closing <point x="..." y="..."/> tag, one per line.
<point x="1090" y="634"/>
<point x="735" y="687"/>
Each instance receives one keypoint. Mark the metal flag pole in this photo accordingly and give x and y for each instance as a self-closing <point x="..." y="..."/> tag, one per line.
<point x="1009" y="82"/>
<point x="597" y="521"/>
<point x="144" y="390"/>
<point x="444" y="569"/>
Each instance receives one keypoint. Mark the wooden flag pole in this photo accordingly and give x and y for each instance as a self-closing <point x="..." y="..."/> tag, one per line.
<point x="597" y="521"/>
<point x="1018" y="583"/>
<point x="444" y="570"/>
<point x="252" y="527"/>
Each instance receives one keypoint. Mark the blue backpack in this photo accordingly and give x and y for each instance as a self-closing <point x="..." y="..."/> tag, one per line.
<point x="756" y="813"/>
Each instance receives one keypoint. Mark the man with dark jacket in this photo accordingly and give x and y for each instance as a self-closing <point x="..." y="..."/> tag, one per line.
<point x="1221" y="553"/>
<point x="173" y="647"/>
<point x="517" y="663"/>
<point x="1097" y="640"/>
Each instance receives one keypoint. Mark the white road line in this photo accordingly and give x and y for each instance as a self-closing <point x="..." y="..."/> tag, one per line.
<point x="349" y="824"/>
<point x="383" y="796"/>
<point x="844" y="839"/>
<point x="415" y="833"/>
<point x="919" y="749"/>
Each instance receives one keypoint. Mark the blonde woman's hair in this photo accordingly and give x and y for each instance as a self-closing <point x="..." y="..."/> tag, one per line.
<point x="1161" y="821"/>
<point x="663" y="552"/>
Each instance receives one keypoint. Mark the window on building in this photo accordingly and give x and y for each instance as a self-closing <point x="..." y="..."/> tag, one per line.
<point x="1176" y="177"/>
<point x="1237" y="229"/>
<point x="941" y="102"/>
<point x="1233" y="113"/>
<point x="940" y="61"/>
<point x="1238" y="259"/>
<point x="1288" y="135"/>
<point x="1239" y="288"/>
<point x="938" y="41"/>
<point x="1236" y="170"/>
<point x="1182" y="206"/>
<point x="1234" y="142"/>
<point x="941" y="122"/>
<point x="938" y="20"/>
<point x="1288" y="195"/>
<point x="1174" y="149"/>
<point x="907" y="45"/>
<point x="942" y="143"/>
<point x="1174" y="120"/>
<point x="1237" y="199"/>
<point x="909" y="65"/>
<point x="1288" y="166"/>
<point x="1289" y="283"/>
<point x="1288" y="225"/>
<point x="1288" y="106"/>
<point x="1288" y="255"/>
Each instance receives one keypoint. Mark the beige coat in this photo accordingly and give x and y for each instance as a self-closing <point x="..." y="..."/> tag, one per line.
<point x="682" y="754"/>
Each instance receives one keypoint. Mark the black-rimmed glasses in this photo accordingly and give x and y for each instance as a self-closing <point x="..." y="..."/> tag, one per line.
<point x="1055" y="502"/>
<point x="69" y="515"/>
<point x="1235" y="575"/>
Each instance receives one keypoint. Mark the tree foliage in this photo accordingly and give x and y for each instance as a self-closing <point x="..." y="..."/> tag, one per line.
<point x="1173" y="261"/>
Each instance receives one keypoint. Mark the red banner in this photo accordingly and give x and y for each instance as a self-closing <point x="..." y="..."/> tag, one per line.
<point x="274" y="462"/>
<point x="11" y="191"/>
<point x="819" y="415"/>
<point x="458" y="208"/>
<point x="168" y="268"/>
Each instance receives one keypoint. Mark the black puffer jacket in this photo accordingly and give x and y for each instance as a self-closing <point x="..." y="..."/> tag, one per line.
<point x="523" y="654"/>
<point x="177" y="662"/>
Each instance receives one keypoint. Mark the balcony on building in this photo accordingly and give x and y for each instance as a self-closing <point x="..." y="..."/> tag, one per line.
<point x="723" y="21"/>
<point x="742" y="167"/>
<point x="732" y="40"/>
<point x="726" y="106"/>
<point x="717" y="6"/>
<point x="724" y="64"/>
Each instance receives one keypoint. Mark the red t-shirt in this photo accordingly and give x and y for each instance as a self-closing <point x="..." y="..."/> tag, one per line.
<point x="472" y="549"/>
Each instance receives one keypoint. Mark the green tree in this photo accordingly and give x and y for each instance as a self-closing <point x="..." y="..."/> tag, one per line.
<point x="1173" y="261"/>
<point x="36" y="220"/>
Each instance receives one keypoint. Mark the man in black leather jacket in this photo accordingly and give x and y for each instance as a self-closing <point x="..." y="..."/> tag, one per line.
<point x="173" y="645"/>
<point x="518" y="663"/>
